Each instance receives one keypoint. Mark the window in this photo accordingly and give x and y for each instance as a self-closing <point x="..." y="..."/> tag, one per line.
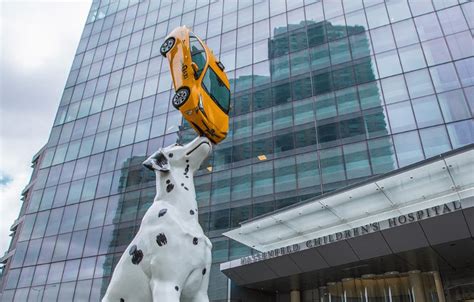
<point x="401" y="117"/>
<point x="357" y="160"/>
<point x="394" y="89"/>
<point x="377" y="15"/>
<point x="238" y="215"/>
<point x="408" y="148"/>
<point x="444" y="77"/>
<point x="219" y="221"/>
<point x="325" y="106"/>
<point x="382" y="39"/>
<point x="216" y="89"/>
<point x="332" y="165"/>
<point x="453" y="105"/>
<point x="461" y="133"/>
<point x="241" y="183"/>
<point x="419" y="83"/>
<point x="465" y="71"/>
<point x="382" y="155"/>
<point x="436" y="51"/>
<point x="54" y="221"/>
<point x="411" y="57"/>
<point x="452" y="20"/>
<point x="427" y="111"/>
<point x="221" y="187"/>
<point x="33" y="252"/>
<point x="347" y="101"/>
<point x="460" y="45"/>
<point x="405" y="33"/>
<point x="198" y="54"/>
<point x="319" y="57"/>
<point x="428" y="27"/>
<point x="435" y="141"/>
<point x="283" y="116"/>
<point x="262" y="179"/>
<point x="285" y="174"/>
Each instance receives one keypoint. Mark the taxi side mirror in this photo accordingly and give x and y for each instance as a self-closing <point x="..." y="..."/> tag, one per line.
<point x="195" y="69"/>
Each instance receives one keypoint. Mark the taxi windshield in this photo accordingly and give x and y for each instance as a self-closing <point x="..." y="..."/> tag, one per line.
<point x="198" y="54"/>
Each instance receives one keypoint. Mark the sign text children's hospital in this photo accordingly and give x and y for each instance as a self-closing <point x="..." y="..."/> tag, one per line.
<point x="355" y="232"/>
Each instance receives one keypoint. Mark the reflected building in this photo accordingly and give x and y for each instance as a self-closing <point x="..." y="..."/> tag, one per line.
<point x="326" y="95"/>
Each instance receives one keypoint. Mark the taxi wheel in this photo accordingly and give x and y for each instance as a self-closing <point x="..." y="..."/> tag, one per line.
<point x="166" y="46"/>
<point x="180" y="97"/>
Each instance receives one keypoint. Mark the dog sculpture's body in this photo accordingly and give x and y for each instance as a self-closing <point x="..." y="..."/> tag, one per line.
<point x="170" y="257"/>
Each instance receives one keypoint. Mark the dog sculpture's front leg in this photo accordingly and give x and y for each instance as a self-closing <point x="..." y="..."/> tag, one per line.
<point x="165" y="291"/>
<point x="201" y="296"/>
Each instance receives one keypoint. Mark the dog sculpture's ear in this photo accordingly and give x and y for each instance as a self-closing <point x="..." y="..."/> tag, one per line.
<point x="157" y="161"/>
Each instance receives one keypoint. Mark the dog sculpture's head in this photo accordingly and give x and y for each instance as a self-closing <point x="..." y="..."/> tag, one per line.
<point x="189" y="156"/>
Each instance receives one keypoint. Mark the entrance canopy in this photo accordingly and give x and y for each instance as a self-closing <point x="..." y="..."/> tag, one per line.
<point x="431" y="183"/>
<point x="417" y="218"/>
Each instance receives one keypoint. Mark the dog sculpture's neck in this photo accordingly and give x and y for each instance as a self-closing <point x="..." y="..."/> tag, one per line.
<point x="177" y="187"/>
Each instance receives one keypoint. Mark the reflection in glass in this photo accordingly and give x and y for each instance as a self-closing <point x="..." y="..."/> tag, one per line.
<point x="461" y="133"/>
<point x="436" y="51"/>
<point x="408" y="148"/>
<point x="419" y="83"/>
<point x="427" y="112"/>
<point x="435" y="141"/>
<point x="401" y="117"/>
<point x="453" y="105"/>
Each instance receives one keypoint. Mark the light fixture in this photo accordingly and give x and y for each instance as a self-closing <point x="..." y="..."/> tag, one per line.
<point x="262" y="157"/>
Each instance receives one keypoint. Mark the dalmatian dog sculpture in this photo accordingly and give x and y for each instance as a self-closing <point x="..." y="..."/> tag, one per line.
<point x="170" y="257"/>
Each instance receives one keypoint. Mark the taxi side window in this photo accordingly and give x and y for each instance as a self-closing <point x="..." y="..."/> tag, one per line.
<point x="198" y="54"/>
<point x="216" y="89"/>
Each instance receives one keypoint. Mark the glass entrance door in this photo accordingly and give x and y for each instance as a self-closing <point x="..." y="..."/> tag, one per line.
<point x="413" y="286"/>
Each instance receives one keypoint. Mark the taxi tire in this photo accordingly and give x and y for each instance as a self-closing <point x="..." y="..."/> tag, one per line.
<point x="180" y="97"/>
<point x="167" y="46"/>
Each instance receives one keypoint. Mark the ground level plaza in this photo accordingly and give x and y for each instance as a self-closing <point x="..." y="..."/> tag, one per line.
<point x="404" y="236"/>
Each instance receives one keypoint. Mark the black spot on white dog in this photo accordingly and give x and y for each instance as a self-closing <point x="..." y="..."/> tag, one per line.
<point x="187" y="176"/>
<point x="176" y="288"/>
<point x="187" y="160"/>
<point x="191" y="212"/>
<point x="169" y="188"/>
<point x="162" y="212"/>
<point x="203" y="271"/>
<point x="137" y="255"/>
<point x="122" y="300"/>
<point x="186" y="170"/>
<point x="182" y="184"/>
<point x="195" y="241"/>
<point x="186" y="188"/>
<point x="168" y="181"/>
<point x="132" y="250"/>
<point x="161" y="239"/>
<point x="170" y="155"/>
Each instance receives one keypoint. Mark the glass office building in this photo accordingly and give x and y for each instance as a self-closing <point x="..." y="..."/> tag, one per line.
<point x="325" y="94"/>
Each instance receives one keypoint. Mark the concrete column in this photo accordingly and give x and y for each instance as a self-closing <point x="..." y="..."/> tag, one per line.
<point x="416" y="286"/>
<point x="439" y="286"/>
<point x="295" y="296"/>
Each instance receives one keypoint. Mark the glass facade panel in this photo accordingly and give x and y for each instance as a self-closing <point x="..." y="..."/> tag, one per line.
<point x="323" y="94"/>
<point x="401" y="117"/>
<point x="454" y="106"/>
<point x="435" y="141"/>
<point x="427" y="111"/>
<point x="408" y="148"/>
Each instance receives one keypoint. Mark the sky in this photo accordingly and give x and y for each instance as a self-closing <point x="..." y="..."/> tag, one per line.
<point x="38" y="40"/>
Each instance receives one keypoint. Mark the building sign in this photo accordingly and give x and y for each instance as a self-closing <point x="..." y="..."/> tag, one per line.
<point x="355" y="232"/>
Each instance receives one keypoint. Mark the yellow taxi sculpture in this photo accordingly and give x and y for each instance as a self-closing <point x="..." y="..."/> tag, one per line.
<point x="201" y="85"/>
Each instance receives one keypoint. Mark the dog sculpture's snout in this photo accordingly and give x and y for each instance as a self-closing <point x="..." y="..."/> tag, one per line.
<point x="197" y="143"/>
